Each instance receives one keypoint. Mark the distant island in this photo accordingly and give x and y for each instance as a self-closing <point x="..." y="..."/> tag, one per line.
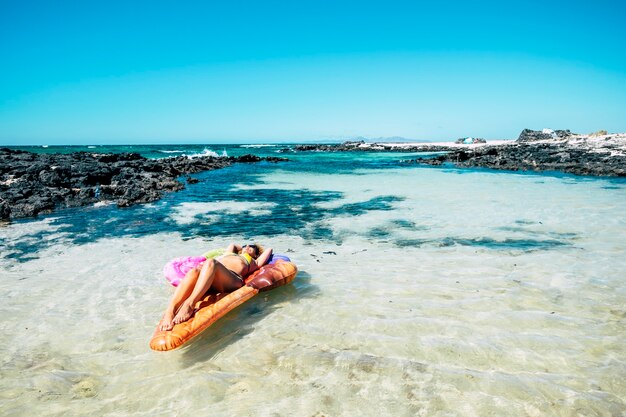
<point x="387" y="139"/>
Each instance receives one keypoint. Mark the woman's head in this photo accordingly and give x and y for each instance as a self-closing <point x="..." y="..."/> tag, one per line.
<point x="252" y="249"/>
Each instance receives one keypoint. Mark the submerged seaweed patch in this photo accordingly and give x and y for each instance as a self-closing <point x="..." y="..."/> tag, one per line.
<point x="285" y="211"/>
<point x="508" y="244"/>
<point x="382" y="203"/>
<point x="525" y="222"/>
<point x="550" y="235"/>
<point x="268" y="210"/>
<point x="379" y="233"/>
<point x="406" y="224"/>
<point x="403" y="243"/>
<point x="525" y="245"/>
<point x="386" y="231"/>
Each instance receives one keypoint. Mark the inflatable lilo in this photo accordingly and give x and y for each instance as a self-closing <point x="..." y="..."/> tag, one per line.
<point x="214" y="306"/>
<point x="176" y="269"/>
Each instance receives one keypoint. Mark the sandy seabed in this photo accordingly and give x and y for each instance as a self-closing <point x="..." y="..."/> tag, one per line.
<point x="499" y="295"/>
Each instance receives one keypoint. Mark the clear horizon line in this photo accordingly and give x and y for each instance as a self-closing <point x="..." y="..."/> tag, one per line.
<point x="390" y="139"/>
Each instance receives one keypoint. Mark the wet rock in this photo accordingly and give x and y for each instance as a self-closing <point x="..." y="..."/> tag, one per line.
<point x="39" y="183"/>
<point x="536" y="157"/>
<point x="275" y="159"/>
<point x="5" y="209"/>
<point x="248" y="158"/>
<point x="464" y="141"/>
<point x="362" y="146"/>
<point x="50" y="178"/>
<point x="529" y="135"/>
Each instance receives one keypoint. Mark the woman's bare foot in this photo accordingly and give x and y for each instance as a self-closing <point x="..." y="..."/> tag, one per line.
<point x="184" y="313"/>
<point x="167" y="322"/>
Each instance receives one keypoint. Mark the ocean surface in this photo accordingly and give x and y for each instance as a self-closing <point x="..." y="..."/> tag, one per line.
<point x="422" y="291"/>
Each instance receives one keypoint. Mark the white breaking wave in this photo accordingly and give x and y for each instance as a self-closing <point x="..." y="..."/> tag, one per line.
<point x="256" y="146"/>
<point x="177" y="151"/>
<point x="208" y="152"/>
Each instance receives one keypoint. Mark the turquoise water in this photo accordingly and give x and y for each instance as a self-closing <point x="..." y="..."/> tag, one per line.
<point x="291" y="209"/>
<point x="161" y="151"/>
<point x="422" y="291"/>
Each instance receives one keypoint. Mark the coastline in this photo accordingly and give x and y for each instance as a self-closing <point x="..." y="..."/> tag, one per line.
<point x="578" y="154"/>
<point x="592" y="155"/>
<point x="32" y="183"/>
<point x="444" y="144"/>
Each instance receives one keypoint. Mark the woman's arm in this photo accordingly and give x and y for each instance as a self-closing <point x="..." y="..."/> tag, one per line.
<point x="233" y="248"/>
<point x="264" y="257"/>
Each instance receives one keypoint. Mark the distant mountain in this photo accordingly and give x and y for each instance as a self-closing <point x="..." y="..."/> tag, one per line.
<point x="389" y="139"/>
<point x="385" y="139"/>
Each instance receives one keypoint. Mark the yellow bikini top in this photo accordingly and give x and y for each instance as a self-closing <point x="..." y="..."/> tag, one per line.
<point x="248" y="257"/>
<point x="218" y="252"/>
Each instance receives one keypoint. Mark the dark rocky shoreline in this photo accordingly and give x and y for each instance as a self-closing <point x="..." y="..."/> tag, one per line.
<point x="362" y="146"/>
<point x="32" y="183"/>
<point x="534" y="157"/>
<point x="558" y="150"/>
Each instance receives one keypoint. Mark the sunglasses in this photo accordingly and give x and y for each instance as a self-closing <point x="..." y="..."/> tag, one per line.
<point x="251" y="246"/>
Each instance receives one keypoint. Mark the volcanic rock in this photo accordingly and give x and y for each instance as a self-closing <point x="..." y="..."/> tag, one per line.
<point x="40" y="183"/>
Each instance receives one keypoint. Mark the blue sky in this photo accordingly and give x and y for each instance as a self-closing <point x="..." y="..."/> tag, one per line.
<point x="159" y="72"/>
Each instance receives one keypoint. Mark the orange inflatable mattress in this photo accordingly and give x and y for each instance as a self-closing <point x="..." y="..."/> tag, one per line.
<point x="214" y="306"/>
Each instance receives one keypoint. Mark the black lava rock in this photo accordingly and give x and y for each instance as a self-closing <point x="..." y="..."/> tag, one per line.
<point x="40" y="183"/>
<point x="528" y="135"/>
<point x="536" y="157"/>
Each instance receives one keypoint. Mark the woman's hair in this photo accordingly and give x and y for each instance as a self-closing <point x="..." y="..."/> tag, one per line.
<point x="259" y="248"/>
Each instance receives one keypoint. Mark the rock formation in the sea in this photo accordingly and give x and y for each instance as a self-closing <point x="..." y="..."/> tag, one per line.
<point x="599" y="154"/>
<point x="469" y="141"/>
<point x="529" y="135"/>
<point x="362" y="146"/>
<point x="33" y="183"/>
<point x="574" y="154"/>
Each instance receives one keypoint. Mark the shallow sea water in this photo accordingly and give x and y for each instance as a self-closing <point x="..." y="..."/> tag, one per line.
<point x="421" y="292"/>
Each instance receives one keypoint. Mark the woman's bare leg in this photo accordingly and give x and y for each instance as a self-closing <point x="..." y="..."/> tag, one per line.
<point x="213" y="274"/>
<point x="183" y="291"/>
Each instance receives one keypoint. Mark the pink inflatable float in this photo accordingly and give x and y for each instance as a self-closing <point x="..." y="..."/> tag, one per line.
<point x="176" y="269"/>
